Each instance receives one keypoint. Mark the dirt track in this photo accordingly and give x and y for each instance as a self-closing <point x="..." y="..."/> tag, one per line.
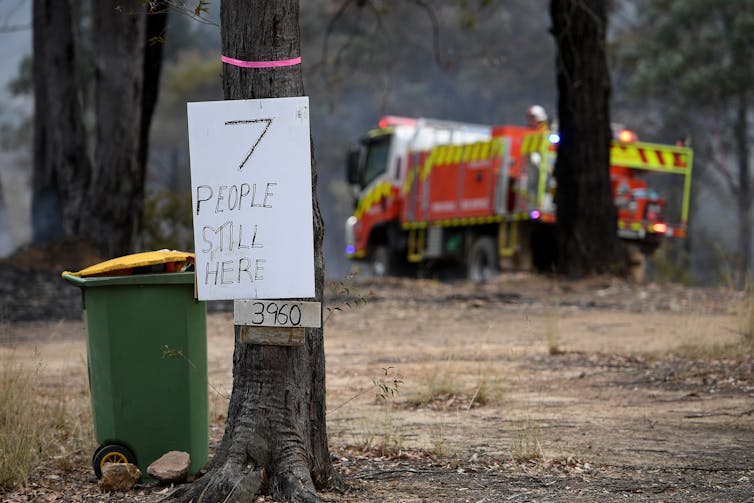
<point x="524" y="389"/>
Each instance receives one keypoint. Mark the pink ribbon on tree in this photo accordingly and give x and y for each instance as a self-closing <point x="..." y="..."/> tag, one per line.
<point x="261" y="64"/>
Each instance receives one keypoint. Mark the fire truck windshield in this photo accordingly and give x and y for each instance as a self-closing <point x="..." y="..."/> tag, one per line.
<point x="376" y="159"/>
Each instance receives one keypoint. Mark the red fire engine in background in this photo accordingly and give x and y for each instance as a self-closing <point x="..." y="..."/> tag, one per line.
<point x="483" y="196"/>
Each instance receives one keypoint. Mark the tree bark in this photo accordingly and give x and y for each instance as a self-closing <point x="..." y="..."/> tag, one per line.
<point x="157" y="20"/>
<point x="586" y="214"/>
<point x="116" y="192"/>
<point x="73" y="196"/>
<point x="275" y="436"/>
<point x="61" y="170"/>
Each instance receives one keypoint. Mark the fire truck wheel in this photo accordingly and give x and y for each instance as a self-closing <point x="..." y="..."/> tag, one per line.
<point x="382" y="261"/>
<point x="482" y="262"/>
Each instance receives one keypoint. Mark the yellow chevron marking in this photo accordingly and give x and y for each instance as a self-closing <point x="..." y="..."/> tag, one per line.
<point x="378" y="192"/>
<point x="475" y="151"/>
<point x="532" y="143"/>
<point x="653" y="157"/>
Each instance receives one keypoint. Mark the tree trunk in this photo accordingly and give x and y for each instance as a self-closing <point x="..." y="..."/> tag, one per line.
<point x="586" y="214"/>
<point x="275" y="433"/>
<point x="157" y="21"/>
<point x="61" y="165"/>
<point x="741" y="133"/>
<point x="100" y="201"/>
<point x="116" y="192"/>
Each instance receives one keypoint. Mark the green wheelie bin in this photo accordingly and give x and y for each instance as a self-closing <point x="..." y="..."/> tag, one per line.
<point x="147" y="359"/>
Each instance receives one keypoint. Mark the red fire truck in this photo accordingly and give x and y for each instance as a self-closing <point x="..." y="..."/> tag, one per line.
<point x="483" y="196"/>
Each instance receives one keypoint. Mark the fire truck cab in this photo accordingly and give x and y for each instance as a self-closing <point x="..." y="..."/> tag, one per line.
<point x="377" y="168"/>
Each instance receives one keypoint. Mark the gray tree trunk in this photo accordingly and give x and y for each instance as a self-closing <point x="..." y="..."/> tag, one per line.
<point x="116" y="194"/>
<point x="61" y="165"/>
<point x="586" y="214"/>
<point x="155" y="35"/>
<point x="72" y="196"/>
<point x="275" y="435"/>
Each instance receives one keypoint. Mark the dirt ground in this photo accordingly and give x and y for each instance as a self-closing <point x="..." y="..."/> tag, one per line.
<point x="527" y="388"/>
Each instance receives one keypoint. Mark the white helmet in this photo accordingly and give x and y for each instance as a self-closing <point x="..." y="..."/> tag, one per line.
<point x="537" y="113"/>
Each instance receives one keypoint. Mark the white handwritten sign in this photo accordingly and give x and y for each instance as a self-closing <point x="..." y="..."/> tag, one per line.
<point x="252" y="198"/>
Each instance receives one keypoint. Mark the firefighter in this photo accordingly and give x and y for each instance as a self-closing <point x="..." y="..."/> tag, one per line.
<point x="537" y="117"/>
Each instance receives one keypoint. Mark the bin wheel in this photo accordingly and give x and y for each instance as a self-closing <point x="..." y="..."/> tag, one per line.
<point x="110" y="453"/>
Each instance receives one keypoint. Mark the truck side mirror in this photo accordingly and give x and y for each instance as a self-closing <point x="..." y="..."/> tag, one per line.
<point x="352" y="165"/>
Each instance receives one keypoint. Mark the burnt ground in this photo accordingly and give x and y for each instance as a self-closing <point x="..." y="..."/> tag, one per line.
<point x="528" y="388"/>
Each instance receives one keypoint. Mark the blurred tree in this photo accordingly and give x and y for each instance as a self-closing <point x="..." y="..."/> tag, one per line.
<point x="587" y="218"/>
<point x="127" y="63"/>
<point x="276" y="426"/>
<point x="98" y="198"/>
<point x="62" y="169"/>
<point x="696" y="59"/>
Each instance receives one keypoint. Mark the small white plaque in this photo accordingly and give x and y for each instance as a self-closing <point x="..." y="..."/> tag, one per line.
<point x="277" y="313"/>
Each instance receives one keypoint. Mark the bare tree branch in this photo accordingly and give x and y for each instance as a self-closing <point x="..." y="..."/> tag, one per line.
<point x="435" y="31"/>
<point x="331" y="27"/>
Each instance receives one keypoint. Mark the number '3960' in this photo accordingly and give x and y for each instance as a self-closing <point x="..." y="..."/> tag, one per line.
<point x="283" y="314"/>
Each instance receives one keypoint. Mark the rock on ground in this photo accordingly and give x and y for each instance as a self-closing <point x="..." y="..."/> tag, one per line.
<point x="171" y="468"/>
<point x="120" y="477"/>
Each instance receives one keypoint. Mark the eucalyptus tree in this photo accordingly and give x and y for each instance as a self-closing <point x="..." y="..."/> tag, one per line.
<point x="95" y="75"/>
<point x="586" y="215"/>
<point x="275" y="436"/>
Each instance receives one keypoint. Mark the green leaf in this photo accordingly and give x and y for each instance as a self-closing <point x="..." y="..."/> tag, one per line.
<point x="201" y="7"/>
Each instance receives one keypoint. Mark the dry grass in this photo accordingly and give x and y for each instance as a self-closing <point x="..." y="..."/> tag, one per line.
<point x="380" y="437"/>
<point x="389" y="440"/>
<point x="452" y="389"/>
<point x="21" y="440"/>
<point x="490" y="390"/>
<point x="451" y="383"/>
<point x="702" y="336"/>
<point x="442" y="386"/>
<point x="40" y="421"/>
<point x="446" y="387"/>
<point x="526" y="444"/>
<point x="438" y="434"/>
<point x="552" y="330"/>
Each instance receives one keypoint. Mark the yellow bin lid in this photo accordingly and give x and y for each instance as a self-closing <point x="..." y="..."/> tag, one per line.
<point x="124" y="265"/>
